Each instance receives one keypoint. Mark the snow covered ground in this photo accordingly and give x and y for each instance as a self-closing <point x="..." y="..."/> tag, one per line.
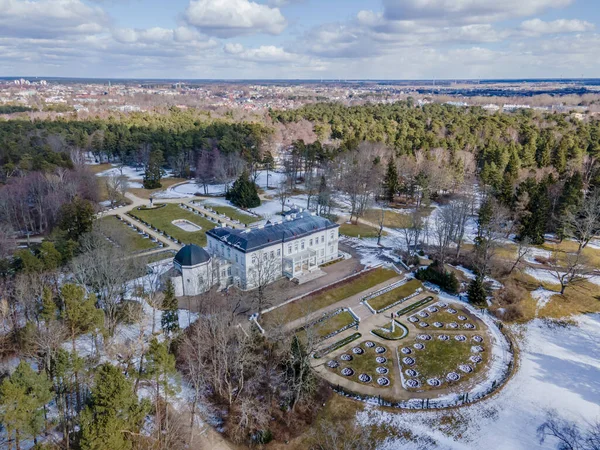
<point x="560" y="370"/>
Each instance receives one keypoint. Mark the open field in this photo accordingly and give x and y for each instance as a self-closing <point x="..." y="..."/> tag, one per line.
<point x="329" y="296"/>
<point x="439" y="358"/>
<point x="359" y="230"/>
<point x="234" y="214"/>
<point x="365" y="363"/>
<point x="123" y="236"/>
<point x="161" y="218"/>
<point x="166" y="183"/>
<point x="391" y="219"/>
<point x="389" y="298"/>
<point x="329" y="325"/>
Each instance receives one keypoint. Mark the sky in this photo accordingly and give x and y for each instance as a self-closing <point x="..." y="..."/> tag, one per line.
<point x="300" y="39"/>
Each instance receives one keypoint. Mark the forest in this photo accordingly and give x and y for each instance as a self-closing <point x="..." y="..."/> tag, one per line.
<point x="65" y="299"/>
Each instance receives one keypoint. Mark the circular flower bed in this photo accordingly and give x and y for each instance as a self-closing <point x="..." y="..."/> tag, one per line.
<point x="347" y="372"/>
<point x="434" y="382"/>
<point x="432" y="309"/>
<point x="408" y="361"/>
<point x="413" y="319"/>
<point x="451" y="311"/>
<point x="424" y="337"/>
<point x="462" y="317"/>
<point x="357" y="351"/>
<point x="453" y="325"/>
<point x="406" y="350"/>
<point x="443" y="337"/>
<point x="465" y="368"/>
<point x="413" y="383"/>
<point x="477" y="349"/>
<point x="419" y="346"/>
<point x="346" y="357"/>
<point x="333" y="364"/>
<point x="423" y="324"/>
<point x="423" y="314"/>
<point x="469" y="326"/>
<point x="442" y="304"/>
<point x="383" y="381"/>
<point x="381" y="360"/>
<point x="364" y="378"/>
<point x="381" y="370"/>
<point x="476" y="359"/>
<point x="369" y="344"/>
<point x="460" y="337"/>
<point x="379" y="350"/>
<point x="478" y="339"/>
<point x="438" y="324"/>
<point x="411" y="372"/>
<point x="453" y="376"/>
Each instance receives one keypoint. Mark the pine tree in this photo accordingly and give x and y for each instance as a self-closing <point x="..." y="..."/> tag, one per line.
<point x="268" y="163"/>
<point x="80" y="313"/>
<point x="160" y="367"/>
<point x="243" y="193"/>
<point x="113" y="413"/>
<point x="390" y="182"/>
<point x="48" y="307"/>
<point x="170" y="316"/>
<point x="154" y="170"/>
<point x="476" y="292"/>
<point x="76" y="218"/>
<point x="23" y="396"/>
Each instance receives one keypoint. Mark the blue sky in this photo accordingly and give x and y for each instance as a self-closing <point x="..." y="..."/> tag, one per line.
<point x="351" y="39"/>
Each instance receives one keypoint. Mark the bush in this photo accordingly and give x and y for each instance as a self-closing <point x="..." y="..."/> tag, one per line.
<point x="436" y="274"/>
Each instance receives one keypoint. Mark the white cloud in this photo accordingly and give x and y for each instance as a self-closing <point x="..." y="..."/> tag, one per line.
<point x="539" y="27"/>
<point x="264" y="54"/>
<point x="49" y="18"/>
<point x="467" y="11"/>
<point x="228" y="18"/>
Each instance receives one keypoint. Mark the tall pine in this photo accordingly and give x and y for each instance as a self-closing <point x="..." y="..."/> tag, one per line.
<point x="390" y="182"/>
<point x="244" y="193"/>
<point x="154" y="170"/>
<point x="170" y="316"/>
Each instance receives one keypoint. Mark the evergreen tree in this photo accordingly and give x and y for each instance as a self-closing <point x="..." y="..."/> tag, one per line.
<point x="170" y="315"/>
<point x="390" y="182"/>
<point x="23" y="396"/>
<point x="534" y="223"/>
<point x="48" y="307"/>
<point x="80" y="313"/>
<point x="113" y="413"/>
<point x="76" y="218"/>
<point x="243" y="193"/>
<point x="476" y="292"/>
<point x="154" y="170"/>
<point x="268" y="163"/>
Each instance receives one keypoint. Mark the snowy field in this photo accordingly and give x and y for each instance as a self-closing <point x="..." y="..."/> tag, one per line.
<point x="192" y="189"/>
<point x="560" y="370"/>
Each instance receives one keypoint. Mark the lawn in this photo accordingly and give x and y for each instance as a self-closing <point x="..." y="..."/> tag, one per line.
<point x="123" y="236"/>
<point x="366" y="364"/>
<point x="439" y="358"/>
<point x="391" y="219"/>
<point x="161" y="218"/>
<point x="234" y="214"/>
<point x="446" y="317"/>
<point x="166" y="183"/>
<point x="359" y="230"/>
<point x="400" y="332"/>
<point x="327" y="297"/>
<point x="414" y="306"/>
<point x="159" y="256"/>
<point x="389" y="298"/>
<point x="326" y="327"/>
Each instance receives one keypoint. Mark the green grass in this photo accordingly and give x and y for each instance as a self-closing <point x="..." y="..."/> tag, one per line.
<point x="414" y="306"/>
<point x="331" y="295"/>
<point x="234" y="214"/>
<point x="123" y="236"/>
<point x="161" y="218"/>
<point x="154" y="257"/>
<point x="338" y="344"/>
<point x="439" y="358"/>
<point x="389" y="298"/>
<point x="366" y="363"/>
<point x="391" y="219"/>
<point x="445" y="317"/>
<point x="400" y="332"/>
<point x="326" y="327"/>
<point x="359" y="230"/>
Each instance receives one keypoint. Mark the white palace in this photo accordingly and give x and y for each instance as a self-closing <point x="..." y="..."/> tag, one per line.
<point x="294" y="247"/>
